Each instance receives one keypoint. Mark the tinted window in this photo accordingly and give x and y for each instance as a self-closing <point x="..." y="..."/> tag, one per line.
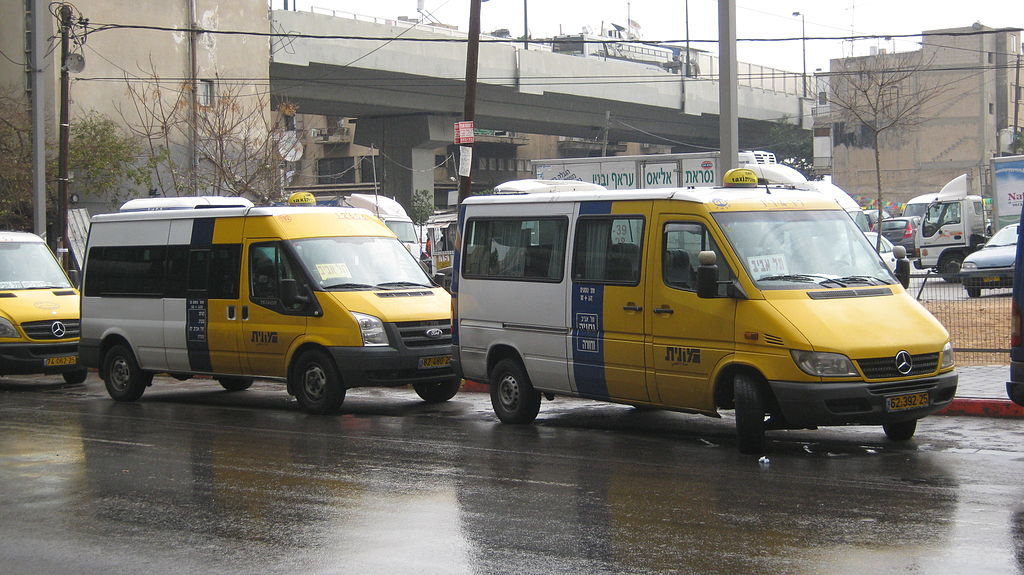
<point x="607" y="250"/>
<point x="214" y="270"/>
<point x="531" y="249"/>
<point x="132" y="271"/>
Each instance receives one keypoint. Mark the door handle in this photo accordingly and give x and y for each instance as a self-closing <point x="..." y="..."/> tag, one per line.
<point x="633" y="307"/>
<point x="245" y="312"/>
<point x="663" y="310"/>
<point x="231" y="312"/>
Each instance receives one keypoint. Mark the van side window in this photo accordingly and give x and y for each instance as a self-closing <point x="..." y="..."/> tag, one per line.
<point x="215" y="270"/>
<point x="127" y="271"/>
<point x="528" y="249"/>
<point x="683" y="241"/>
<point x="268" y="265"/>
<point x="607" y="250"/>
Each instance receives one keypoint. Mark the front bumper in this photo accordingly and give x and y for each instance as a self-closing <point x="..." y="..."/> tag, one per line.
<point x="987" y="277"/>
<point x="858" y="402"/>
<point x="26" y="358"/>
<point x="390" y="367"/>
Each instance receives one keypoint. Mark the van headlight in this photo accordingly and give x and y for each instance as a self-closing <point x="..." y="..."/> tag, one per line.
<point x="823" y="364"/>
<point x="947" y="355"/>
<point x="372" y="329"/>
<point x="7" y="328"/>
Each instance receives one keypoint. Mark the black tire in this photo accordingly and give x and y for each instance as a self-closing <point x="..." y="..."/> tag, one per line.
<point x="512" y="395"/>
<point x="973" y="291"/>
<point x="317" y="383"/>
<point x="437" y="392"/>
<point x="949" y="267"/>
<point x="901" y="430"/>
<point x="75" y="377"/>
<point x="125" y="380"/>
<point x="235" y="383"/>
<point x="750" y="413"/>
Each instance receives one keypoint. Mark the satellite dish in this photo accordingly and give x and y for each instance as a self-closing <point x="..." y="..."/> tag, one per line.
<point x="74" y="63"/>
<point x="289" y="146"/>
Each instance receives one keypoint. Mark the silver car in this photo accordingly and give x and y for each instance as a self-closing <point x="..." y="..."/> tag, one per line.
<point x="992" y="265"/>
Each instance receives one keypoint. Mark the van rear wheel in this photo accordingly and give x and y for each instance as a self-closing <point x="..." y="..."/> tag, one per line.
<point x="235" y="383"/>
<point x="901" y="430"/>
<point x="512" y="395"/>
<point x="125" y="380"/>
<point x="437" y="392"/>
<point x="750" y="413"/>
<point x="317" y="384"/>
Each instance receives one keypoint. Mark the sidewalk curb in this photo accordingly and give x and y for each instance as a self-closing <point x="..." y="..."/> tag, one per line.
<point x="986" y="407"/>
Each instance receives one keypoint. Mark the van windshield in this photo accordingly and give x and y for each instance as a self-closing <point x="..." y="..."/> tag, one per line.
<point x="404" y="230"/>
<point x="360" y="263"/>
<point x="792" y="249"/>
<point x="29" y="265"/>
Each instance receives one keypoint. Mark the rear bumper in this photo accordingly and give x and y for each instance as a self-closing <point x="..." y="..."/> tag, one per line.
<point x="861" y="403"/>
<point x="26" y="358"/>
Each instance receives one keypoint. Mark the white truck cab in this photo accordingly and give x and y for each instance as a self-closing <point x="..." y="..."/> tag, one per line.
<point x="952" y="226"/>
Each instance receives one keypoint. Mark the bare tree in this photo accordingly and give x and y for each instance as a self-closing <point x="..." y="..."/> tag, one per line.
<point x="883" y="93"/>
<point x="238" y="147"/>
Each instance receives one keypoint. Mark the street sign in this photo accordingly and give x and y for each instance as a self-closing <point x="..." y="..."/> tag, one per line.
<point x="463" y="132"/>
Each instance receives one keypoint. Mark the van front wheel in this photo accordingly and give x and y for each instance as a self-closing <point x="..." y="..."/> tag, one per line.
<point x="125" y="380"/>
<point x="437" y="392"/>
<point x="76" y="376"/>
<point x="512" y="395"/>
<point x="235" y="383"/>
<point x="318" y="386"/>
<point x="750" y="413"/>
<point x="900" y="431"/>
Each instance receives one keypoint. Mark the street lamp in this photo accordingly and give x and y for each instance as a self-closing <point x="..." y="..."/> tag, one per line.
<point x="803" y="45"/>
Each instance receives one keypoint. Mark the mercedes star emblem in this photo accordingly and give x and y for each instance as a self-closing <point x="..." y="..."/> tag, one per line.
<point x="904" y="363"/>
<point x="58" y="329"/>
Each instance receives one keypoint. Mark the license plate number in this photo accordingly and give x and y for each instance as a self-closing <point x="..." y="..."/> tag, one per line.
<point x="991" y="279"/>
<point x="435" y="361"/>
<point x="63" y="360"/>
<point x="906" y="401"/>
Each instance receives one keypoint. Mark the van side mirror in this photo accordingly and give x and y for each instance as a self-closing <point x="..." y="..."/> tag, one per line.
<point x="290" y="293"/>
<point x="75" y="277"/>
<point x="707" y="275"/>
<point x="902" y="265"/>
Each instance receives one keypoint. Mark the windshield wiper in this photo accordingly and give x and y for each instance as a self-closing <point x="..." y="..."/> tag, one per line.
<point x="810" y="278"/>
<point x="870" y="280"/>
<point x="350" y="286"/>
<point x="393" y="285"/>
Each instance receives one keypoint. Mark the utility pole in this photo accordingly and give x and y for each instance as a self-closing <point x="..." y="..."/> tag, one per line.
<point x="61" y="241"/>
<point x="39" y="16"/>
<point x="469" y="111"/>
<point x="1016" y="100"/>
<point x="728" y="111"/>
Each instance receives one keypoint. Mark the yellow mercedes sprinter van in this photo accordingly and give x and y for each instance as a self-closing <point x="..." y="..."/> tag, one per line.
<point x="764" y="300"/>
<point x="38" y="311"/>
<point x="324" y="299"/>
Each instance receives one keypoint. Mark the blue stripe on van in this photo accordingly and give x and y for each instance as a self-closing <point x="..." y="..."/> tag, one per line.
<point x="587" y="329"/>
<point x="456" y="268"/>
<point x="197" y="308"/>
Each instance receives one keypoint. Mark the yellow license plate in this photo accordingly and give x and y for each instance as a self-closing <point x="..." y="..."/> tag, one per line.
<point x="64" y="360"/>
<point x="435" y="361"/>
<point x="907" y="401"/>
<point x="991" y="279"/>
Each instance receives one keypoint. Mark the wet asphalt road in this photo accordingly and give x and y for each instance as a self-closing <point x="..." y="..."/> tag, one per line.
<point x="193" y="479"/>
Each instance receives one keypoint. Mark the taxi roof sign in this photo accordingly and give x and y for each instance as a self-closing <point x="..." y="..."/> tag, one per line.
<point x="302" y="199"/>
<point x="740" y="178"/>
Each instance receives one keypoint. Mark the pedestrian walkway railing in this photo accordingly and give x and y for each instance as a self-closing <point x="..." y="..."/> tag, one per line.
<point x="978" y="320"/>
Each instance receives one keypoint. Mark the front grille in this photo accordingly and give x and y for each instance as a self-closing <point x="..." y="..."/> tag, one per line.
<point x="44" y="329"/>
<point x="414" y="333"/>
<point x="885" y="367"/>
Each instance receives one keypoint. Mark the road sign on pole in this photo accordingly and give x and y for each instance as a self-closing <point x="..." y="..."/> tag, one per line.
<point x="464" y="132"/>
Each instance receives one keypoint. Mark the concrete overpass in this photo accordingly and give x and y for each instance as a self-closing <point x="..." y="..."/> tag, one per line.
<point x="408" y="94"/>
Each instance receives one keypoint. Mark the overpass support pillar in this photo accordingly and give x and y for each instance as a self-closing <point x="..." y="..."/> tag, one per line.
<point x="407" y="145"/>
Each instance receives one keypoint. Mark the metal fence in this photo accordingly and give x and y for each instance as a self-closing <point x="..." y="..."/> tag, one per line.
<point x="979" y="327"/>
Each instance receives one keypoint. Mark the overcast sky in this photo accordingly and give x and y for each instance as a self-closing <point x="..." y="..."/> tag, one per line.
<point x="662" y="20"/>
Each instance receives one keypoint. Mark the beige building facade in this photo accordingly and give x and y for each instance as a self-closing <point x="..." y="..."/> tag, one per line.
<point x="969" y="75"/>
